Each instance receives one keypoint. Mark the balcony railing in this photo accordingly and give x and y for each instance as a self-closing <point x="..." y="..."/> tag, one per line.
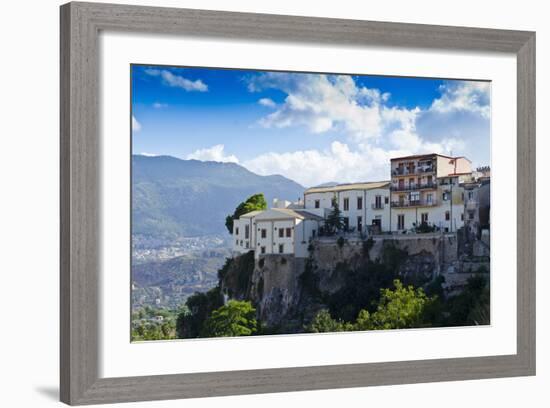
<point x="416" y="186"/>
<point x="404" y="171"/>
<point x="377" y="206"/>
<point x="413" y="203"/>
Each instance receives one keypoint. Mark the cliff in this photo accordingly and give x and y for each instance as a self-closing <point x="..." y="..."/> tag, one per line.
<point x="341" y="275"/>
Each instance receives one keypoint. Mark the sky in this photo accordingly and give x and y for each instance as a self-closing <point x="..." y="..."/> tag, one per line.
<point x="310" y="127"/>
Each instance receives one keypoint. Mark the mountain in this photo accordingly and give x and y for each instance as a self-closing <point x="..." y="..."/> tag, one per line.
<point x="174" y="197"/>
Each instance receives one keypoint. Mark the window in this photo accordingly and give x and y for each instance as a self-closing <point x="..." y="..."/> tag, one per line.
<point x="313" y="233"/>
<point x="359" y="203"/>
<point x="288" y="232"/>
<point x="262" y="250"/>
<point x="378" y="201"/>
<point x="317" y="203"/>
<point x="445" y="196"/>
<point x="360" y="223"/>
<point x="247" y="245"/>
<point x="471" y="215"/>
<point x="462" y="217"/>
<point x="246" y="231"/>
<point x="263" y="233"/>
<point x="429" y="198"/>
<point x="400" y="221"/>
<point x="236" y="230"/>
<point x="424" y="217"/>
<point x="281" y="232"/>
<point x="281" y="248"/>
<point x="346" y="223"/>
<point x="470" y="195"/>
<point x="447" y="215"/>
<point x="236" y="242"/>
<point x="346" y="204"/>
<point x="386" y="200"/>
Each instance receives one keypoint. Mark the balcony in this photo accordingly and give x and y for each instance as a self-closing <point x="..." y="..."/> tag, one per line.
<point x="377" y="206"/>
<point x="411" y="187"/>
<point x="413" y="203"/>
<point x="404" y="171"/>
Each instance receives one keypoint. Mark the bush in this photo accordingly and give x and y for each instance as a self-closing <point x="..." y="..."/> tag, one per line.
<point x="324" y="323"/>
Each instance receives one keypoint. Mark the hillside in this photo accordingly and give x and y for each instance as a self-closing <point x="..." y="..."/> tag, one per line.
<point x="167" y="283"/>
<point x="174" y="197"/>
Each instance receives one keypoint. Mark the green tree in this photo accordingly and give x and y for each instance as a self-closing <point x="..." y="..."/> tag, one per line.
<point x="401" y="308"/>
<point x="324" y="323"/>
<point x="236" y="318"/>
<point x="334" y="221"/>
<point x="190" y="321"/>
<point x="252" y="203"/>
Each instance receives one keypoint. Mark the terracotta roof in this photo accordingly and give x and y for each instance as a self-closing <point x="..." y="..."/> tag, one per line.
<point x="348" y="187"/>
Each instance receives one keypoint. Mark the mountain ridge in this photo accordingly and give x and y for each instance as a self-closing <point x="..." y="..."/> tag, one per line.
<point x="178" y="197"/>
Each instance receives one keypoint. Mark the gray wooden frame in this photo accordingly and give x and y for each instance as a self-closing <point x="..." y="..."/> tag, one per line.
<point x="80" y="234"/>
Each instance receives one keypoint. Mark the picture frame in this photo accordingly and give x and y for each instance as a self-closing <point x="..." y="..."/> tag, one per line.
<point x="80" y="158"/>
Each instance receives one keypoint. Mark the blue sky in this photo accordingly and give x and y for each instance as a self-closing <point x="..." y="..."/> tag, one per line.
<point x="312" y="128"/>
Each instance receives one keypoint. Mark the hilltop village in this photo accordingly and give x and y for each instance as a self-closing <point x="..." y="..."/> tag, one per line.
<point x="429" y="193"/>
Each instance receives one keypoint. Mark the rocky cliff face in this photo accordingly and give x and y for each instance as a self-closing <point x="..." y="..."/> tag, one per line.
<point x="287" y="292"/>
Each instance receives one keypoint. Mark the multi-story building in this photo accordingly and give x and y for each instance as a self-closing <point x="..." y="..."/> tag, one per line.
<point x="426" y="189"/>
<point x="364" y="206"/>
<point x="276" y="231"/>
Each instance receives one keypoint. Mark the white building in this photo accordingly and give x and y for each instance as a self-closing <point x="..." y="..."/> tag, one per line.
<point x="276" y="231"/>
<point x="430" y="190"/>
<point x="363" y="205"/>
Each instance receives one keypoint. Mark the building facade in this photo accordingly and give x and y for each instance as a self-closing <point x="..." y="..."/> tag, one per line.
<point x="430" y="192"/>
<point x="364" y="206"/>
<point x="282" y="231"/>
<point x="427" y="190"/>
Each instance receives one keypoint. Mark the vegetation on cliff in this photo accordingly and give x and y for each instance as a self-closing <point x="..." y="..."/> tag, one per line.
<point x="370" y="295"/>
<point x="253" y="203"/>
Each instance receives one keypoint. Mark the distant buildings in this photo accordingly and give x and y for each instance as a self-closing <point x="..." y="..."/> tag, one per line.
<point x="430" y="192"/>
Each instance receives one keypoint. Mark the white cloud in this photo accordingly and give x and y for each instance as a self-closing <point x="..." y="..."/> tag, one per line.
<point x="466" y="96"/>
<point x="340" y="162"/>
<point x="149" y="154"/>
<point x="214" y="153"/>
<point x="267" y="102"/>
<point x="136" y="126"/>
<point x="177" y="81"/>
<point x="329" y="102"/>
<point x="158" y="105"/>
<point x="372" y="130"/>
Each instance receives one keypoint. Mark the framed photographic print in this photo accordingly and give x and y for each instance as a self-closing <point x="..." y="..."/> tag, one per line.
<point x="291" y="203"/>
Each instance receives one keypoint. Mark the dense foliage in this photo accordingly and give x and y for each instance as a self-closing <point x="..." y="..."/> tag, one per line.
<point x="190" y="322"/>
<point x="236" y="318"/>
<point x="398" y="308"/>
<point x="252" y="203"/>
